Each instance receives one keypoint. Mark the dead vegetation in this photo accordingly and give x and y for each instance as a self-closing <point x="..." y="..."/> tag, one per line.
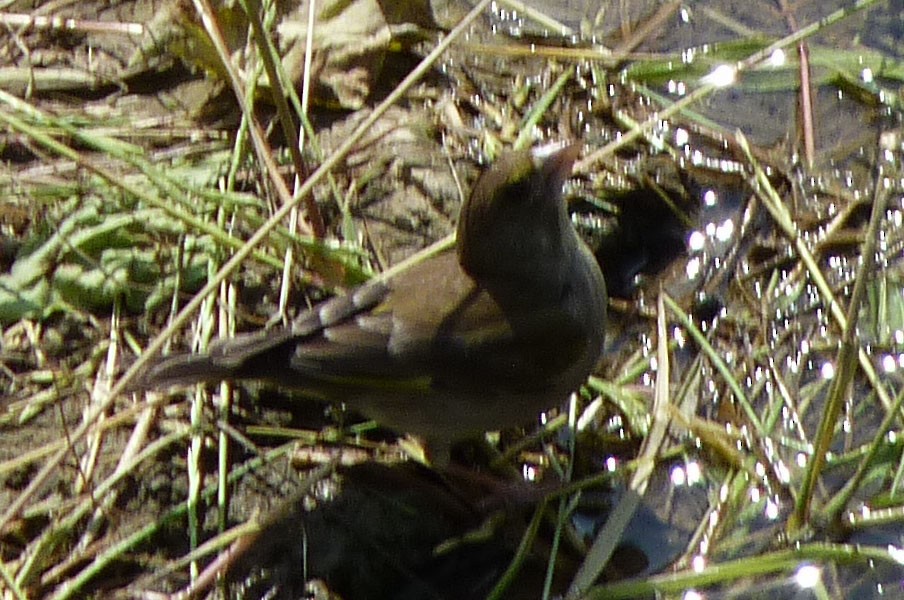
<point x="173" y="173"/>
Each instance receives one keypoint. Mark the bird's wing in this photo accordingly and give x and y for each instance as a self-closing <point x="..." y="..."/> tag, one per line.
<point x="263" y="354"/>
<point x="437" y="327"/>
<point x="430" y="326"/>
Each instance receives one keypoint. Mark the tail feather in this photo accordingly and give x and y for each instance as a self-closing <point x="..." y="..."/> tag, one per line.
<point x="264" y="354"/>
<point x="183" y="369"/>
<point x="252" y="355"/>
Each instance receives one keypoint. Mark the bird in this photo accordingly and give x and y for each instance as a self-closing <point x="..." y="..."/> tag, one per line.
<point x="482" y="337"/>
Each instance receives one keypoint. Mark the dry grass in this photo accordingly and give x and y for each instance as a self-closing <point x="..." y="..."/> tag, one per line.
<point x="163" y="191"/>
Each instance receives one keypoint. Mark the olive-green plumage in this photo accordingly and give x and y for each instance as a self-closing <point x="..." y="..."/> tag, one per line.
<point x="480" y="338"/>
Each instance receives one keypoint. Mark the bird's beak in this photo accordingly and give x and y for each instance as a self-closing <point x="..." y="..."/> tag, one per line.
<point x="557" y="162"/>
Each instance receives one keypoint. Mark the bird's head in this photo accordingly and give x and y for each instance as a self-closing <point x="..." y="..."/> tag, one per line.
<point x="515" y="224"/>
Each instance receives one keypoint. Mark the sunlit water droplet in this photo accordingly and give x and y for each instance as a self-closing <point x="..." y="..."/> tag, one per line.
<point x="808" y="576"/>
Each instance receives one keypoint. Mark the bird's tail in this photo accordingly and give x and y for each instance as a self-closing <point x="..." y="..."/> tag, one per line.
<point x="181" y="370"/>
<point x="255" y="355"/>
<point x="262" y="355"/>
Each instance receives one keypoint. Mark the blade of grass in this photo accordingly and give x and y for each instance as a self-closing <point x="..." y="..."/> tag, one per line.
<point x="527" y="541"/>
<point x="719" y="363"/>
<point x="608" y="537"/>
<point x="269" y="56"/>
<point x="74" y="588"/>
<point x="744" y="568"/>
<point x="848" y="353"/>
<point x="867" y="258"/>
<point x="261" y="148"/>
<point x="525" y="136"/>
<point x="114" y="178"/>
